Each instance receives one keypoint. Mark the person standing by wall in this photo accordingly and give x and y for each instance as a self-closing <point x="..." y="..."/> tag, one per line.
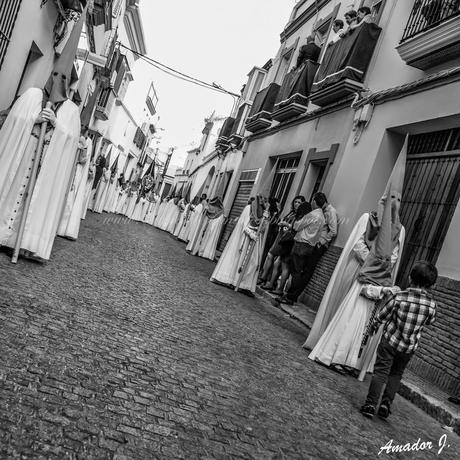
<point x="308" y="235"/>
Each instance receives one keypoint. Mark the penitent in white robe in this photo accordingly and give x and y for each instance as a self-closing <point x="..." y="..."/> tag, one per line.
<point x="112" y="195"/>
<point x="131" y="206"/>
<point x="101" y="192"/>
<point x="89" y="181"/>
<point x="196" y="225"/>
<point x="173" y="218"/>
<point x="342" y="278"/>
<point x="73" y="210"/>
<point x="341" y="341"/>
<point x="226" y="271"/>
<point x="122" y="197"/>
<point x="17" y="149"/>
<point x="184" y="229"/>
<point x="211" y="237"/>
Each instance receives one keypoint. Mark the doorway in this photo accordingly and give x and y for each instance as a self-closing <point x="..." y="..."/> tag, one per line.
<point x="430" y="195"/>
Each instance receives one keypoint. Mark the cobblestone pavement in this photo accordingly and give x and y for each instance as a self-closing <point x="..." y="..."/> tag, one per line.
<point x="121" y="348"/>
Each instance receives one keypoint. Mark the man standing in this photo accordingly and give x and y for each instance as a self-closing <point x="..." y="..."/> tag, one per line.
<point x="309" y="52"/>
<point x="328" y="233"/>
<point x="309" y="231"/>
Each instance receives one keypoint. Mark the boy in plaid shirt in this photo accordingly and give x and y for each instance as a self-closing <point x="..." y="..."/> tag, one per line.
<point x="404" y="316"/>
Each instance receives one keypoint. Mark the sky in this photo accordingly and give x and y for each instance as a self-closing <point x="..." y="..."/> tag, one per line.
<point x="213" y="40"/>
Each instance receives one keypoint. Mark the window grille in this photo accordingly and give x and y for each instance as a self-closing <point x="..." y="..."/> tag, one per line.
<point x="8" y="13"/>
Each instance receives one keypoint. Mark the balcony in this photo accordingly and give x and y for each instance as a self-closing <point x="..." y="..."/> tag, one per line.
<point x="104" y="104"/>
<point x="344" y="66"/>
<point x="102" y="113"/>
<point x="223" y="141"/>
<point x="293" y="95"/>
<point x="432" y="34"/>
<point x="260" y="116"/>
<point x="237" y="132"/>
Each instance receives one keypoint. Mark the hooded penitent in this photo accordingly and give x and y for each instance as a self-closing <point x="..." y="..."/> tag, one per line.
<point x="215" y="208"/>
<point x="114" y="167"/>
<point x="384" y="228"/>
<point x="58" y="84"/>
<point x="257" y="211"/>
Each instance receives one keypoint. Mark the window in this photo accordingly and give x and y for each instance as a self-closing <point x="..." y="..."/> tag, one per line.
<point x="430" y="195"/>
<point x="321" y="31"/>
<point x="8" y="14"/>
<point x="256" y="86"/>
<point x="284" y="176"/>
<point x="283" y="68"/>
<point x="319" y="168"/>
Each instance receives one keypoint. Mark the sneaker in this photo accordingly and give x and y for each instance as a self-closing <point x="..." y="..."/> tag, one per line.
<point x="367" y="410"/>
<point x="384" y="410"/>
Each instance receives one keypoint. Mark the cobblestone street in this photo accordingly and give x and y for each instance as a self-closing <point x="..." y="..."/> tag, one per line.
<point x="121" y="348"/>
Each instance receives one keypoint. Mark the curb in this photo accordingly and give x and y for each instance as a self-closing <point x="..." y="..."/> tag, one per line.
<point x="433" y="406"/>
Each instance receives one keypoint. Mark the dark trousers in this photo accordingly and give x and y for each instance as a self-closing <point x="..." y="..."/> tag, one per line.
<point x="302" y="267"/>
<point x="388" y="369"/>
<point x="300" y="259"/>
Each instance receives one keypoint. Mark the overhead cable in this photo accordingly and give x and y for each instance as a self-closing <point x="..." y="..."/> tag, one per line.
<point x="177" y="74"/>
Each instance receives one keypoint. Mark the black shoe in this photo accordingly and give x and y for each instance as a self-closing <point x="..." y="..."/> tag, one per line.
<point x="285" y="300"/>
<point x="384" y="410"/>
<point x="367" y="410"/>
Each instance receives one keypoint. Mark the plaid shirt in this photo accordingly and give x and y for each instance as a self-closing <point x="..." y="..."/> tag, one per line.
<point x="405" y="315"/>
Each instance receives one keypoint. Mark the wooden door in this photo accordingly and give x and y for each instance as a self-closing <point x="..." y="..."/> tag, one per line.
<point x="430" y="196"/>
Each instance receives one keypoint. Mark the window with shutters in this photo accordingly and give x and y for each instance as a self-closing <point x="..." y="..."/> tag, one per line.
<point x="8" y="13"/>
<point x="284" y="176"/>
<point x="430" y="195"/>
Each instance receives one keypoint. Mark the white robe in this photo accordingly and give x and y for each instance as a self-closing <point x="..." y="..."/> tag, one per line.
<point x="339" y="284"/>
<point x="17" y="149"/>
<point x="73" y="210"/>
<point x="101" y="192"/>
<point x="196" y="225"/>
<point x="150" y="214"/>
<point x="122" y="197"/>
<point x="184" y="229"/>
<point x="89" y="181"/>
<point x="210" y="238"/>
<point x="159" y="213"/>
<point x="173" y="218"/>
<point x="131" y="206"/>
<point x="180" y="224"/>
<point x="226" y="271"/>
<point x="341" y="341"/>
<point x="112" y="195"/>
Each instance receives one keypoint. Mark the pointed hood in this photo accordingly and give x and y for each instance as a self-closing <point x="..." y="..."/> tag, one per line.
<point x="187" y="192"/>
<point x="220" y="189"/>
<point x="266" y="185"/>
<point x="384" y="228"/>
<point x="172" y="193"/>
<point x="150" y="170"/>
<point x="114" y="167"/>
<point x="107" y="157"/>
<point x="58" y="84"/>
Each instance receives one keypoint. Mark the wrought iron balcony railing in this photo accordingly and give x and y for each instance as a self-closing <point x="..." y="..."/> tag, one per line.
<point x="427" y="14"/>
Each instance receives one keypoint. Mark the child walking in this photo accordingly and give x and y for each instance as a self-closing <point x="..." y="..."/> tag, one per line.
<point x="404" y="316"/>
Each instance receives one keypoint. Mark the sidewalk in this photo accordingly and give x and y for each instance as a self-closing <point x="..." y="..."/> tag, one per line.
<point x="424" y="395"/>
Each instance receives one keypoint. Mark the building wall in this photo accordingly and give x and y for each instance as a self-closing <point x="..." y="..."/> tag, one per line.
<point x="319" y="133"/>
<point x="39" y="23"/>
<point x="366" y="166"/>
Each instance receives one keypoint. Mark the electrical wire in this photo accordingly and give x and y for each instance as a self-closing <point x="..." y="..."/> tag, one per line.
<point x="177" y="74"/>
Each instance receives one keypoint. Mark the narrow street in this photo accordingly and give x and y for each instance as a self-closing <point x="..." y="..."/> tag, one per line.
<point x="120" y="347"/>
